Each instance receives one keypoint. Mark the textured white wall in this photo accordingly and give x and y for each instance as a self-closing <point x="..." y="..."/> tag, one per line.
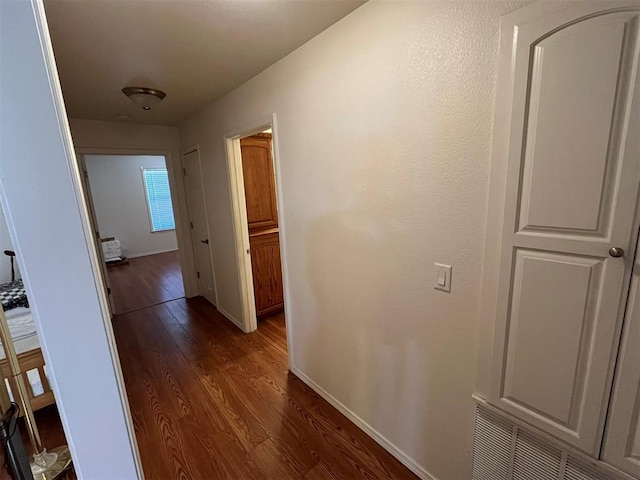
<point x="98" y="136"/>
<point x="5" y="244"/>
<point x="384" y="130"/>
<point x="120" y="202"/>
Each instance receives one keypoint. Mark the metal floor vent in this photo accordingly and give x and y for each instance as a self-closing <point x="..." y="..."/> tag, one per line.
<point x="504" y="451"/>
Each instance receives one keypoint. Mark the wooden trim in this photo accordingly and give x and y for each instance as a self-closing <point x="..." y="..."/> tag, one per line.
<point x="271" y="310"/>
<point x="262" y="135"/>
<point x="264" y="232"/>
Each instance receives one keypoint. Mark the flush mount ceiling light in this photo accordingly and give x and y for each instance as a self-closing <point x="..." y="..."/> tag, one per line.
<point x="143" y="96"/>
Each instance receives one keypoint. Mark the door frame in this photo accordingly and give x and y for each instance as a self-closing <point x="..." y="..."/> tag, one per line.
<point x="66" y="384"/>
<point x="95" y="230"/>
<point x="183" y="153"/>
<point x="233" y="153"/>
<point x="187" y="269"/>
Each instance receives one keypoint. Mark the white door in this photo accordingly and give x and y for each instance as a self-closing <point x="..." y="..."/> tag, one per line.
<point x="199" y="225"/>
<point x="571" y="192"/>
<point x="622" y="438"/>
<point x="93" y="219"/>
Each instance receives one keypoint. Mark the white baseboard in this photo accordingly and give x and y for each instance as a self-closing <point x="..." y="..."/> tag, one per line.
<point x="230" y="317"/>
<point x="365" y="427"/>
<point x="155" y="252"/>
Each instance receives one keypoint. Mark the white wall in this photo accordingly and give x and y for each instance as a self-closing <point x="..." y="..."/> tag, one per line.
<point x="5" y="244"/>
<point x="39" y="186"/>
<point x="384" y="131"/>
<point x="93" y="136"/>
<point x="120" y="202"/>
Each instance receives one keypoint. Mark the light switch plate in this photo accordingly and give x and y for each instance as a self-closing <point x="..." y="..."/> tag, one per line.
<point x="442" y="277"/>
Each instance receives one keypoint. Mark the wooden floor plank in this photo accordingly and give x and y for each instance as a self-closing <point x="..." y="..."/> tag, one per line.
<point x="276" y="462"/>
<point x="146" y="281"/>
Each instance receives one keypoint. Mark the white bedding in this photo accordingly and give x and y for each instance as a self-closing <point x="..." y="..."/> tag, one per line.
<point x="23" y="330"/>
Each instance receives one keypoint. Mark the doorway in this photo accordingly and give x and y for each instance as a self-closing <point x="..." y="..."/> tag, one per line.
<point x="129" y="199"/>
<point x="257" y="207"/>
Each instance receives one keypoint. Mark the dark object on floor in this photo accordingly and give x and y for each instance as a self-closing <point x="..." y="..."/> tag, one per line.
<point x="118" y="263"/>
<point x="15" y="455"/>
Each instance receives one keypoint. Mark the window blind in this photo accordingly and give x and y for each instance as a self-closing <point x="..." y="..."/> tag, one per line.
<point x="156" y="185"/>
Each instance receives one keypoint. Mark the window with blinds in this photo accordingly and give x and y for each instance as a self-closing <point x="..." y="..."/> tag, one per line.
<point x="156" y="187"/>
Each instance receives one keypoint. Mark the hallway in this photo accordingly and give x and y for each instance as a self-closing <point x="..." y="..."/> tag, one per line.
<point x="209" y="401"/>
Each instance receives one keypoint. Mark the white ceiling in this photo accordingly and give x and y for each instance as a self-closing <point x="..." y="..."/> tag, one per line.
<point x="196" y="51"/>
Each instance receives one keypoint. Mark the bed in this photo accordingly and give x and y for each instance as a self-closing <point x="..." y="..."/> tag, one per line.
<point x="25" y="340"/>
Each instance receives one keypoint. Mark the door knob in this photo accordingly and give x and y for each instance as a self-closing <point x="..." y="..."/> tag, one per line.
<point x="616" y="252"/>
<point x="205" y="241"/>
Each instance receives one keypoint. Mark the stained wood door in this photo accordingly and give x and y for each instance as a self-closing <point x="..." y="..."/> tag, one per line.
<point x="622" y="438"/>
<point x="267" y="273"/>
<point x="571" y="193"/>
<point x="259" y="182"/>
<point x="199" y="227"/>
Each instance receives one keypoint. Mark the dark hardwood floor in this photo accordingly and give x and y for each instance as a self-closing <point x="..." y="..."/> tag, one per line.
<point x="209" y="401"/>
<point x="146" y="281"/>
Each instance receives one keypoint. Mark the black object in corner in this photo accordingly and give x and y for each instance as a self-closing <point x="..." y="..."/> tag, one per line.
<point x="14" y="452"/>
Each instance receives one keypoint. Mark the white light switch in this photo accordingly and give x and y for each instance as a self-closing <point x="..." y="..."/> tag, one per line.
<point x="443" y="277"/>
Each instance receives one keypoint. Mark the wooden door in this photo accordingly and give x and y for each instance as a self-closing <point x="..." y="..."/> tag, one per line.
<point x="262" y="219"/>
<point x="622" y="439"/>
<point x="259" y="182"/>
<point x="267" y="273"/>
<point x="199" y="227"/>
<point x="571" y="194"/>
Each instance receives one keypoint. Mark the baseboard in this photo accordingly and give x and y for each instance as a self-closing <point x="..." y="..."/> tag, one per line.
<point x="230" y="317"/>
<point x="365" y="427"/>
<point x="155" y="252"/>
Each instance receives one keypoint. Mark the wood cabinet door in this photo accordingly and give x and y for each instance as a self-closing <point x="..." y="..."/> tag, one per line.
<point x="571" y="192"/>
<point x="622" y="438"/>
<point x="267" y="273"/>
<point x="259" y="182"/>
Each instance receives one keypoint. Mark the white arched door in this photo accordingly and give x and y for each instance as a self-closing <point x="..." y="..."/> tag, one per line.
<point x="571" y="117"/>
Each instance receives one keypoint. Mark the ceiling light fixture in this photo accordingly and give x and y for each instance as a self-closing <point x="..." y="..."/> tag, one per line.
<point x="143" y="96"/>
